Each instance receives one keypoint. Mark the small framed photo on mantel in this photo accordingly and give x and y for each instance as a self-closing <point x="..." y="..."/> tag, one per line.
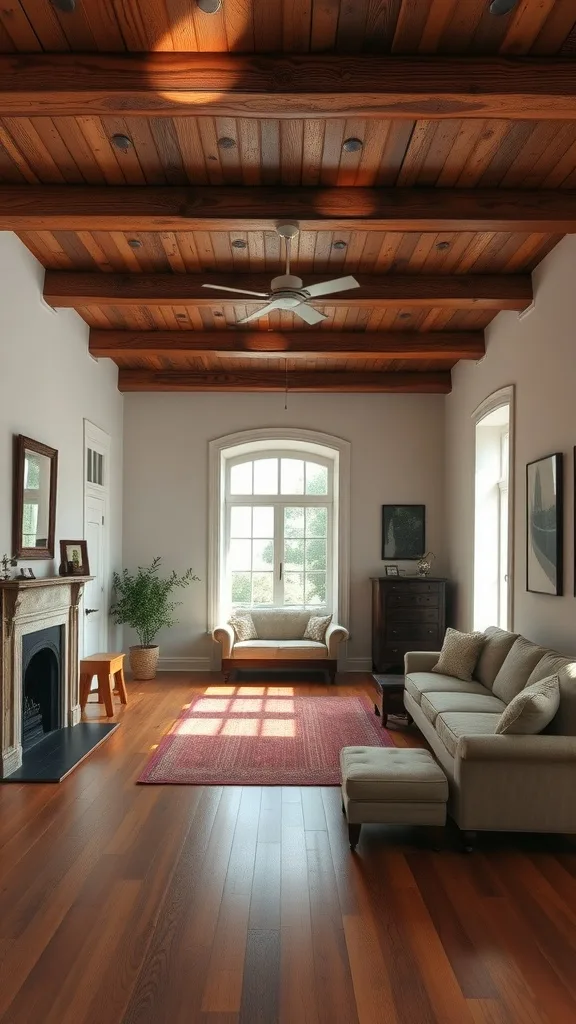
<point x="74" y="558"/>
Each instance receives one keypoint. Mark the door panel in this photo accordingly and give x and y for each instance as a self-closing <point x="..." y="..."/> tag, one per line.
<point x="95" y="611"/>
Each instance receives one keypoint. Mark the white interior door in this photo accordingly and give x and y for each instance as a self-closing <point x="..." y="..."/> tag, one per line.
<point x="95" y="611"/>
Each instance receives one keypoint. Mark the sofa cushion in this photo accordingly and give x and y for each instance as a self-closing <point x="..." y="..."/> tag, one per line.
<point x="434" y="704"/>
<point x="390" y="774"/>
<point x="280" y="623"/>
<point x="459" y="654"/>
<point x="268" y="649"/>
<point x="452" y="725"/>
<point x="316" y="628"/>
<point x="243" y="625"/>
<point x="418" y="683"/>
<point x="532" y="709"/>
<point x="517" y="666"/>
<point x="496" y="647"/>
<point x="564" y="721"/>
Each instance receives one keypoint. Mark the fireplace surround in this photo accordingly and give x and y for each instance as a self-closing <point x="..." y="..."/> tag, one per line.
<point x="32" y="607"/>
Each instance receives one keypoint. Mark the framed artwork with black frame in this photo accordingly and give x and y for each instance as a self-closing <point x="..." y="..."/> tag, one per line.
<point x="544" y="525"/>
<point x="403" y="532"/>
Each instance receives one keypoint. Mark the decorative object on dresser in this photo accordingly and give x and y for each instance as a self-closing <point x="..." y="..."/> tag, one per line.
<point x="74" y="558"/>
<point x="408" y="614"/>
<point x="544" y="525"/>
<point x="403" y="531"/>
<point x="34" y="499"/>
<point x="424" y="564"/>
<point x="391" y="570"/>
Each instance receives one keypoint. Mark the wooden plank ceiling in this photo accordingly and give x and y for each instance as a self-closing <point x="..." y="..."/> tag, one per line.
<point x="441" y="212"/>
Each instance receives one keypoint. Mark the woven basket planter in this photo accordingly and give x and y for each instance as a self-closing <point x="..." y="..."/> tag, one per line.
<point x="144" y="662"/>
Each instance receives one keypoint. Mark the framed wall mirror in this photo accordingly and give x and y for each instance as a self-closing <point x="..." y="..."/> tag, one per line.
<point x="34" y="501"/>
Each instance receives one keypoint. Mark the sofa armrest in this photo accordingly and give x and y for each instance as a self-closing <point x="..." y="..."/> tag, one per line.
<point x="335" y="635"/>
<point x="225" y="636"/>
<point x="543" y="748"/>
<point x="420" y="661"/>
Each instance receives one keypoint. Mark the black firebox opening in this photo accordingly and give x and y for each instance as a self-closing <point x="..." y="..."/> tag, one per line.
<point x="42" y="680"/>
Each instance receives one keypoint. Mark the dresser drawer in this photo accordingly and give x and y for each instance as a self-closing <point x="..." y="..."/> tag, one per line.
<point x="408" y="599"/>
<point x="420" y="615"/>
<point x="393" y="651"/>
<point x="411" y="632"/>
<point x="413" y="587"/>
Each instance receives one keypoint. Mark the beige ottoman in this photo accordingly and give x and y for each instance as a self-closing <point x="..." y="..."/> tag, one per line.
<point x="391" y="786"/>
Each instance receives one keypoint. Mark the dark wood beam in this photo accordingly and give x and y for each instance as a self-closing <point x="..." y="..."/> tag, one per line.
<point x="296" y="345"/>
<point x="457" y="291"/>
<point x="311" y="85"/>
<point x="226" y="208"/>
<point x="437" y="383"/>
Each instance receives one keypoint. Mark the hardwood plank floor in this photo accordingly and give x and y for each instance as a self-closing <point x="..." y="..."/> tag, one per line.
<point x="127" y="904"/>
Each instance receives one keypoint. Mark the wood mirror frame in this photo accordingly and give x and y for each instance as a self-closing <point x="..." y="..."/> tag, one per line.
<point x="21" y="446"/>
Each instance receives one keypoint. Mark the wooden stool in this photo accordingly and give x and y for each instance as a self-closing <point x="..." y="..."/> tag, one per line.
<point x="110" y="671"/>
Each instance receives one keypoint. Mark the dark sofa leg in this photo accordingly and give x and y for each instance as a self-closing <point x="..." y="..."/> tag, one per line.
<point x="354" y="835"/>
<point x="469" y="838"/>
<point x="332" y="666"/>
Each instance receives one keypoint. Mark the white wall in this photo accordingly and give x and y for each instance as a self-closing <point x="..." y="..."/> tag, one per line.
<point x="48" y="385"/>
<point x="538" y="355"/>
<point x="397" y="455"/>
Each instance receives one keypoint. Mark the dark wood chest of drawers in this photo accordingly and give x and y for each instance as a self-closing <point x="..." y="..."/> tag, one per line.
<point x="408" y="614"/>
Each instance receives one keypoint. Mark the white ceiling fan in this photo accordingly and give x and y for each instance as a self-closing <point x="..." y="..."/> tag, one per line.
<point x="288" y="292"/>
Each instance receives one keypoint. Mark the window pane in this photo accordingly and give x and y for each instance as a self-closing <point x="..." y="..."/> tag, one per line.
<point x="294" y="554"/>
<point x="316" y="478"/>
<point x="241" y="586"/>
<point x="293" y="522"/>
<point x="316" y="522"/>
<point x="240" y="554"/>
<point x="263" y="554"/>
<point x="89" y="465"/>
<point x="263" y="521"/>
<point x="262" y="588"/>
<point x="240" y="521"/>
<point x="294" y="588"/>
<point x="316" y="554"/>
<point x="315" y="588"/>
<point x="241" y="478"/>
<point x="266" y="476"/>
<point x="292" y="476"/>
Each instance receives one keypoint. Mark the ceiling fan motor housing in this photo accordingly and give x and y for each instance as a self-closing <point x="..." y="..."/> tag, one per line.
<point x="286" y="283"/>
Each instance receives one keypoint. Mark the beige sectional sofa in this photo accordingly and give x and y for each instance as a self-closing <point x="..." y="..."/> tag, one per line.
<point x="499" y="782"/>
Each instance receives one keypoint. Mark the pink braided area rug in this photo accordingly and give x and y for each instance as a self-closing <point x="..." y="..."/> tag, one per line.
<point x="262" y="736"/>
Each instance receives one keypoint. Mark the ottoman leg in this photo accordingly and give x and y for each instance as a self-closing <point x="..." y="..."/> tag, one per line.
<point x="353" y="835"/>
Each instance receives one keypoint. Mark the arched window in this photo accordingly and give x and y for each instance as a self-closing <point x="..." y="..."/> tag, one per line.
<point x="281" y="536"/>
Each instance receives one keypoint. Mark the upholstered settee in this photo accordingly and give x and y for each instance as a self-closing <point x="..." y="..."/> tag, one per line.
<point x="504" y="782"/>
<point x="280" y="643"/>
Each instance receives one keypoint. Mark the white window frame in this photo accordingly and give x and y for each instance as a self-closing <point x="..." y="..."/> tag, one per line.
<point x="503" y="397"/>
<point x="280" y="501"/>
<point x="293" y="442"/>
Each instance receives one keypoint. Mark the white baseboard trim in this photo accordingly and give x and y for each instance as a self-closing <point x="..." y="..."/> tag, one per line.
<point x="185" y="665"/>
<point x="356" y="665"/>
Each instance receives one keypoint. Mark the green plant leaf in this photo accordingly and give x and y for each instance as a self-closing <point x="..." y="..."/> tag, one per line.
<point x="142" y="600"/>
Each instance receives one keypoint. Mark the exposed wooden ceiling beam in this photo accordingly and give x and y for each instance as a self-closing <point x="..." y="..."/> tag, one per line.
<point x="225" y="208"/>
<point x="296" y="345"/>
<point x="234" y="85"/>
<point x="463" y="291"/>
<point x="437" y="383"/>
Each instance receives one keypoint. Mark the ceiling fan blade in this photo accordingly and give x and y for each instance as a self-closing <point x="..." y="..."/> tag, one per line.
<point x="340" y="284"/>
<point x="260" y="312"/>
<point x="239" y="291"/>
<point x="309" y="314"/>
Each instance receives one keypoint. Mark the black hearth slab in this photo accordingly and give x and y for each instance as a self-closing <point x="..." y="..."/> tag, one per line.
<point x="54" y="758"/>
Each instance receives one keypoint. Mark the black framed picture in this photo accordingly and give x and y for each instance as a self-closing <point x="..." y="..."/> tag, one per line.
<point x="544" y="525"/>
<point x="403" y="531"/>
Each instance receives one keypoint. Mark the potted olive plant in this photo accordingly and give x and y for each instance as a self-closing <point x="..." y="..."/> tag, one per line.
<point x="143" y="601"/>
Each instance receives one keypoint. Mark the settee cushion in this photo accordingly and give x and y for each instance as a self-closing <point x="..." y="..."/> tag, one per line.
<point x="418" y="683"/>
<point x="280" y="623"/>
<point x="517" y="666"/>
<point x="434" y="704"/>
<point x="532" y="709"/>
<point x="243" y="625"/>
<point x="564" y="721"/>
<point x="452" y="725"/>
<point x="459" y="654"/>
<point x="316" y="628"/>
<point x="268" y="649"/>
<point x="495" y="649"/>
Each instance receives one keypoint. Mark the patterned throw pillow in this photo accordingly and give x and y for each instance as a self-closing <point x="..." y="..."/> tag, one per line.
<point x="532" y="709"/>
<point x="243" y="625"/>
<point x="316" y="628"/>
<point x="459" y="654"/>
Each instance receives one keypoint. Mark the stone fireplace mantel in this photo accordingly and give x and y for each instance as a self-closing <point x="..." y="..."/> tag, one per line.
<point x="28" y="606"/>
